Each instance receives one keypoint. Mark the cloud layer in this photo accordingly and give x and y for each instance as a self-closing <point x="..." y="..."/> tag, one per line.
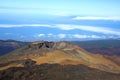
<point x="96" y="29"/>
<point x="23" y="25"/>
<point x="96" y="18"/>
<point x="72" y="36"/>
<point x="88" y="28"/>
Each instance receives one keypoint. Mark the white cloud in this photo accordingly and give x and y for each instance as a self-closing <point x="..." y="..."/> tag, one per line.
<point x="95" y="36"/>
<point x="23" y="25"/>
<point x="69" y="27"/>
<point x="64" y="26"/>
<point x="88" y="36"/>
<point x="95" y="18"/>
<point x="80" y="36"/>
<point x="74" y="36"/>
<point x="61" y="35"/>
<point x="88" y="28"/>
<point x="41" y="35"/>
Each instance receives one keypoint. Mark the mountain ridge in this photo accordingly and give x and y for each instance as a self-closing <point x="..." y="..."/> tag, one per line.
<point x="62" y="53"/>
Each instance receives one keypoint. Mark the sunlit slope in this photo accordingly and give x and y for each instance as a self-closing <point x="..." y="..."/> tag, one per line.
<point x="62" y="53"/>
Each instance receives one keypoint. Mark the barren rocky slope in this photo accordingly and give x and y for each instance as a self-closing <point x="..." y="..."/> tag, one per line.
<point x="62" y="54"/>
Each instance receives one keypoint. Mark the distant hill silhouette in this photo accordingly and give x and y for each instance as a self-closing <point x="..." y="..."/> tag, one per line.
<point x="107" y="47"/>
<point x="7" y="46"/>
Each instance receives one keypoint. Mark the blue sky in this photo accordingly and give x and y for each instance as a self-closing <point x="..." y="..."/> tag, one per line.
<point x="59" y="19"/>
<point x="62" y="7"/>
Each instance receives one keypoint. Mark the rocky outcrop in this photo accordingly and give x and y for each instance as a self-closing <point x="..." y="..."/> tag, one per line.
<point x="28" y="63"/>
<point x="64" y="45"/>
<point x="41" y="45"/>
<point x="50" y="45"/>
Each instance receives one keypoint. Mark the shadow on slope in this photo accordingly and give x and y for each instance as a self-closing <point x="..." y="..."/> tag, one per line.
<point x="55" y="72"/>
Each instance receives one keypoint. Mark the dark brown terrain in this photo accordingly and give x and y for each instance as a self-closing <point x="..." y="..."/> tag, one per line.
<point x="56" y="72"/>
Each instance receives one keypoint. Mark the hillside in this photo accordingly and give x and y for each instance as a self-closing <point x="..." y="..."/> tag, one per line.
<point x="44" y="57"/>
<point x="56" y="72"/>
<point x="106" y="47"/>
<point x="7" y="46"/>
